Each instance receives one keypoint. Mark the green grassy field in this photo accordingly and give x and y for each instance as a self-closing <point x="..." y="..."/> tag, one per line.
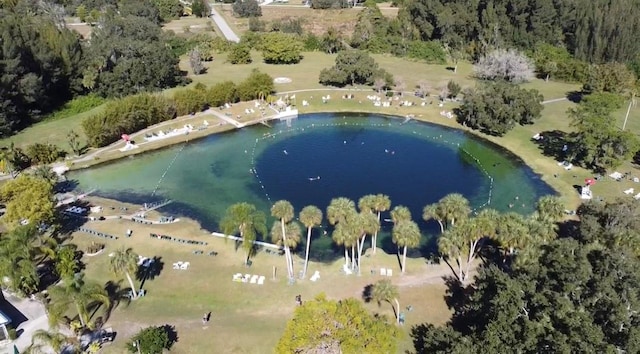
<point x="246" y="318"/>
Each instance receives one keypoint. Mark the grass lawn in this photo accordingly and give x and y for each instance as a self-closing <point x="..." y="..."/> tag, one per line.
<point x="246" y="318"/>
<point x="190" y="25"/>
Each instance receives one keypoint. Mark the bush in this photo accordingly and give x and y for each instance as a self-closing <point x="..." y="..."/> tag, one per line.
<point x="240" y="54"/>
<point x="43" y="153"/>
<point x="251" y="39"/>
<point x="287" y="25"/>
<point x="257" y="85"/>
<point x="312" y="43"/>
<point x="257" y="25"/>
<point x="200" y="8"/>
<point x="431" y="52"/>
<point x="190" y="101"/>
<point x="247" y="8"/>
<point x="280" y="48"/>
<point x="221" y="93"/>
<point x="127" y="115"/>
<point x="78" y="105"/>
<point x="95" y="247"/>
<point x="152" y="340"/>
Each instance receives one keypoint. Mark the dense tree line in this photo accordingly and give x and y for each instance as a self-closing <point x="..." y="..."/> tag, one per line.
<point x="43" y="64"/>
<point x="136" y="112"/>
<point x="594" y="31"/>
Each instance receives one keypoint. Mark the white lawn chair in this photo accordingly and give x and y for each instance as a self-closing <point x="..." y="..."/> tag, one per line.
<point x="629" y="191"/>
<point x="185" y="266"/>
<point x="177" y="265"/>
<point x="383" y="271"/>
<point x="237" y="277"/>
<point x="389" y="272"/>
<point x="254" y="279"/>
<point x="261" y="280"/>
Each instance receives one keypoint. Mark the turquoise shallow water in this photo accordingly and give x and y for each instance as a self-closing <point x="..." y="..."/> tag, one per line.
<point x="352" y="154"/>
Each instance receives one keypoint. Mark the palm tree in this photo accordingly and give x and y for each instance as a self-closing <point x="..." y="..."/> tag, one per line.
<point x="17" y="259"/>
<point x="365" y="224"/>
<point x="512" y="233"/>
<point x="125" y="261"/>
<point x="400" y="213"/>
<point x="341" y="237"/>
<point x="406" y="234"/>
<point x="75" y="291"/>
<point x="374" y="204"/>
<point x="43" y="339"/>
<point x="46" y="173"/>
<point x="451" y="246"/>
<point x="289" y="240"/>
<point x="339" y="209"/>
<point x="311" y="217"/>
<point x="550" y="209"/>
<point x="283" y="210"/>
<point x="245" y="219"/>
<point x="385" y="291"/>
<point x="453" y="207"/>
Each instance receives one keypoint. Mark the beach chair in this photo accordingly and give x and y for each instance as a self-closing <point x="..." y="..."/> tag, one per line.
<point x="254" y="279"/>
<point x="185" y="266"/>
<point x="389" y="272"/>
<point x="177" y="265"/>
<point x="237" y="277"/>
<point x="383" y="271"/>
<point x="629" y="191"/>
<point x="261" y="280"/>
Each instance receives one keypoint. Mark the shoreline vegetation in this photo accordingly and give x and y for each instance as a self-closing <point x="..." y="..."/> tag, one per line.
<point x="541" y="165"/>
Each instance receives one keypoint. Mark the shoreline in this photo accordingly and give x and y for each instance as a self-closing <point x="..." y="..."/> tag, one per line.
<point x="562" y="188"/>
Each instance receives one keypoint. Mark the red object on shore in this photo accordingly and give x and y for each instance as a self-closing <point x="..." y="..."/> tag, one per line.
<point x="589" y="181"/>
<point x="125" y="137"/>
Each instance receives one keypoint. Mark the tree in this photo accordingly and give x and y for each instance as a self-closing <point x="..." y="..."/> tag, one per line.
<point x="453" y="207"/>
<point x="550" y="209"/>
<point x="331" y="41"/>
<point x="239" y="54"/>
<point x="195" y="62"/>
<point x="76" y="292"/>
<point x="47" y="174"/>
<point x="153" y="339"/>
<point x="247" y="8"/>
<point x="611" y="77"/>
<point x="281" y="48"/>
<point x="352" y="67"/>
<point x="385" y="291"/>
<point x="495" y="108"/>
<point x="169" y="9"/>
<point x="27" y="198"/>
<point x="400" y="85"/>
<point x="283" y="210"/>
<point x="248" y="221"/>
<point x="200" y="8"/>
<point x="376" y="204"/>
<point x="74" y="142"/>
<point x="310" y="217"/>
<point x="125" y="261"/>
<point x="66" y="263"/>
<point x="43" y="153"/>
<point x="364" y="223"/>
<point x="596" y="143"/>
<point x="513" y="234"/>
<point x="613" y="224"/>
<point x="575" y="298"/>
<point x="17" y="259"/>
<point x="406" y="234"/>
<point x="42" y="339"/>
<point x="454" y="89"/>
<point x="257" y="85"/>
<point x="331" y="326"/>
<point x="509" y="65"/>
<point x="338" y="211"/>
<point x="81" y="12"/>
<point x="288" y="240"/>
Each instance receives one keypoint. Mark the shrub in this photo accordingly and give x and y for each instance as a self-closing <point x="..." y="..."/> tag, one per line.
<point x="240" y="54"/>
<point x="247" y="8"/>
<point x="329" y="4"/>
<point x="95" y="247"/>
<point x="431" y="52"/>
<point x="43" y="153"/>
<point x="152" y="340"/>
<point x="200" y="8"/>
<point x="257" y="25"/>
<point x="312" y="43"/>
<point x="127" y="115"/>
<point x="190" y="101"/>
<point x="257" y="85"/>
<point x="251" y="39"/>
<point x="221" y="93"/>
<point x="287" y="25"/>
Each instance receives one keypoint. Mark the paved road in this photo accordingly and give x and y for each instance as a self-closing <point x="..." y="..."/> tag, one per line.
<point x="223" y="26"/>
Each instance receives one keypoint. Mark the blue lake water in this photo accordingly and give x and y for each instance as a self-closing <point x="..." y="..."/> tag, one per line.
<point x="317" y="158"/>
